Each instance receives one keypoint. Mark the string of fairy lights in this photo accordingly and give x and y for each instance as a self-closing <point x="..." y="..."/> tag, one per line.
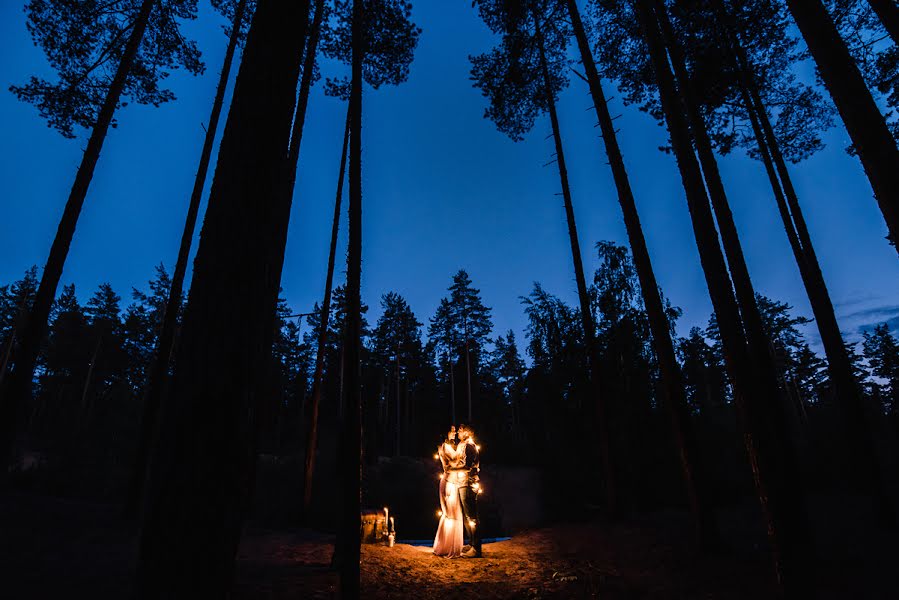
<point x="476" y="486"/>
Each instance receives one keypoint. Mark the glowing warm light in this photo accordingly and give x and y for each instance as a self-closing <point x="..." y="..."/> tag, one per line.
<point x="441" y="476"/>
<point x="439" y="513"/>
<point x="476" y="447"/>
<point x="471" y="523"/>
<point x="436" y="457"/>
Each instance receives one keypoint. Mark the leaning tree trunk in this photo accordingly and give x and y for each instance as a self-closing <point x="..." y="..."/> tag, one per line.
<point x="18" y="385"/>
<point x="865" y="123"/>
<point x="888" y="13"/>
<point x="299" y="117"/>
<point x="324" y="314"/>
<point x="768" y="472"/>
<point x="865" y="463"/>
<point x="600" y="400"/>
<point x="695" y="474"/>
<point x="159" y="370"/>
<point x="791" y="494"/>
<point x="199" y="489"/>
<point x="348" y="548"/>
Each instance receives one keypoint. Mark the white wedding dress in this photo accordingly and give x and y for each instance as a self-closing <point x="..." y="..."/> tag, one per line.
<point x="450" y="531"/>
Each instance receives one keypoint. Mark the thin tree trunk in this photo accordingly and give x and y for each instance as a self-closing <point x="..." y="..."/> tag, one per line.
<point x="18" y="386"/>
<point x="754" y="414"/>
<point x="865" y="123"/>
<point x="452" y="390"/>
<point x="199" y="488"/>
<point x="299" y="117"/>
<point x="351" y="442"/>
<point x="324" y="317"/>
<point x="398" y="403"/>
<point x="865" y="464"/>
<point x="888" y="13"/>
<point x="7" y="352"/>
<point x="159" y="370"/>
<point x="87" y="382"/>
<point x="341" y="408"/>
<point x="695" y="474"/>
<point x="600" y="401"/>
<point x="468" y="377"/>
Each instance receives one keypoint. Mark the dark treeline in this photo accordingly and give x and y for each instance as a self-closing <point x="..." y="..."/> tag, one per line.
<point x="530" y="398"/>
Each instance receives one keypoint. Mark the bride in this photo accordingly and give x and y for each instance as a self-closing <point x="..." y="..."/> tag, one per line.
<point x="450" y="531"/>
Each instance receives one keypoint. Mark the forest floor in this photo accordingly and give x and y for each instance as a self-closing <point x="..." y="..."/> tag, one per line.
<point x="54" y="548"/>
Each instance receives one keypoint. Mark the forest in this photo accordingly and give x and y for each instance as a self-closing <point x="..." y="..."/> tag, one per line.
<point x="206" y="434"/>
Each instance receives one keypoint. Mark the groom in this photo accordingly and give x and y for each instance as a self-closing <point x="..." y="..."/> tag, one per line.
<point x="468" y="492"/>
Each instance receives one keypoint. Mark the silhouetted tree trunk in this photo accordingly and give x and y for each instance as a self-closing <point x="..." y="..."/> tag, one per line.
<point x="599" y="399"/>
<point x="695" y="475"/>
<point x="199" y="488"/>
<point x="324" y="318"/>
<point x="18" y="385"/>
<point x="468" y="377"/>
<point x="865" y="463"/>
<point x="7" y="352"/>
<point x="85" y="402"/>
<point x="348" y="549"/>
<point x="452" y="390"/>
<point x="398" y="403"/>
<point x="865" y="123"/>
<point x="159" y="370"/>
<point x="755" y="416"/>
<point x="888" y="13"/>
<point x="760" y="347"/>
<point x="299" y="118"/>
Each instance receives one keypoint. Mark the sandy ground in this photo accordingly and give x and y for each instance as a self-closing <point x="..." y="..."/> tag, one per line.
<point x="52" y="548"/>
<point x="571" y="561"/>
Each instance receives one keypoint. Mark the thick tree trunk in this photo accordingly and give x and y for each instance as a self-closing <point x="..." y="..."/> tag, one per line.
<point x="888" y="13"/>
<point x="865" y="123"/>
<point x="18" y="386"/>
<point x="694" y="473"/>
<point x="865" y="464"/>
<point x="324" y="317"/>
<point x="600" y="401"/>
<point x="296" y="136"/>
<point x="159" y="370"/>
<point x="758" y="436"/>
<point x="199" y="489"/>
<point x="349" y="551"/>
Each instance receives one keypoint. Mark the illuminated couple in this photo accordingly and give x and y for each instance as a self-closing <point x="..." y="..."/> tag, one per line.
<point x="459" y="489"/>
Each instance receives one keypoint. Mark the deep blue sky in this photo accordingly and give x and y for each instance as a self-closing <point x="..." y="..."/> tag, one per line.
<point x="442" y="191"/>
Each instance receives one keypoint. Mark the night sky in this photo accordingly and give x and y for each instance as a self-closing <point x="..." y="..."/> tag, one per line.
<point x="443" y="190"/>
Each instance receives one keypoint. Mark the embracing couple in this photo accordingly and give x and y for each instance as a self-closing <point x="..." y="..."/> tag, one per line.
<point x="459" y="488"/>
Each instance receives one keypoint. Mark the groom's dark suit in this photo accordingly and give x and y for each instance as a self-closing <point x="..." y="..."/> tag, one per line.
<point x="468" y="495"/>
